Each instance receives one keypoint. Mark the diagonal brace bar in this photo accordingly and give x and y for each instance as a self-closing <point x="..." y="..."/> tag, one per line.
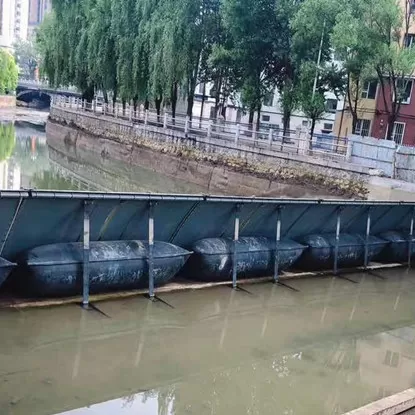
<point x="235" y="247"/>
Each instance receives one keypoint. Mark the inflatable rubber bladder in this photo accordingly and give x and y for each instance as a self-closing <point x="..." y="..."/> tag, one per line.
<point x="5" y="268"/>
<point x="351" y="251"/>
<point x="57" y="270"/>
<point x="212" y="258"/>
<point x="398" y="247"/>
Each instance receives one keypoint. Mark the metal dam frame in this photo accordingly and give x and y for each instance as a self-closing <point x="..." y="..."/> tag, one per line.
<point x="33" y="218"/>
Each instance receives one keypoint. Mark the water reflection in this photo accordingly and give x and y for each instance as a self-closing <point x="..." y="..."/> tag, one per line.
<point x="211" y="353"/>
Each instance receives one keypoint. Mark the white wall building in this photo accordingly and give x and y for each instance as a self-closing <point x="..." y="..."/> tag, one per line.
<point x="14" y="19"/>
<point x="271" y="113"/>
<point x="21" y="20"/>
<point x="7" y="20"/>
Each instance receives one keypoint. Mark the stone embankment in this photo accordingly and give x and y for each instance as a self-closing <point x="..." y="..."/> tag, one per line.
<point x="213" y="164"/>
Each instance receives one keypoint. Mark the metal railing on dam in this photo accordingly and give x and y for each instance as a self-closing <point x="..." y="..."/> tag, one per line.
<point x="220" y="133"/>
<point x="30" y="219"/>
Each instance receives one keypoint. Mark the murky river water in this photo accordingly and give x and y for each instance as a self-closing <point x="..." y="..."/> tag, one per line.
<point x="329" y="347"/>
<point x="326" y="348"/>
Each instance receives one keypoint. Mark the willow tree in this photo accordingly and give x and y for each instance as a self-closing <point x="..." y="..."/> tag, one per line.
<point x="101" y="53"/>
<point x="254" y="31"/>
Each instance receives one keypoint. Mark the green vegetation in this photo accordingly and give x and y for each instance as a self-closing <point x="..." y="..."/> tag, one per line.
<point x="26" y="57"/>
<point x="8" y="72"/>
<point x="155" y="51"/>
<point x="7" y="140"/>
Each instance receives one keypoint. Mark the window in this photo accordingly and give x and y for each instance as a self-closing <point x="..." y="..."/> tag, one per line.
<point x="409" y="40"/>
<point x="265" y="118"/>
<point x="412" y="6"/>
<point x="328" y="127"/>
<point x="200" y="88"/>
<point x="404" y="90"/>
<point x="269" y="99"/>
<point x="331" y="105"/>
<point x="304" y="123"/>
<point x="362" y="128"/>
<point x="369" y="90"/>
<point x="391" y="359"/>
<point x="398" y="132"/>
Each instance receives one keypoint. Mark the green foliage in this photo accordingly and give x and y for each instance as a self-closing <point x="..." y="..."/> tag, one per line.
<point x="26" y="57"/>
<point x="8" y="73"/>
<point x="7" y="141"/>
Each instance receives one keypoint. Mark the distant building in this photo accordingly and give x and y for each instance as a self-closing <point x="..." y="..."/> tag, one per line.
<point x="21" y="19"/>
<point x="7" y="15"/>
<point x="14" y="15"/>
<point x="38" y="9"/>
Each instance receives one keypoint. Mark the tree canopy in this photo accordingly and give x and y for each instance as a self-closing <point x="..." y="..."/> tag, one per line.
<point x="155" y="51"/>
<point x="8" y="73"/>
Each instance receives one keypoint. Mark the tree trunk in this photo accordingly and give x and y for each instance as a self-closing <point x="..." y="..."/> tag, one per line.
<point x="146" y="104"/>
<point x="286" y="124"/>
<point x="124" y="104"/>
<point x="218" y="87"/>
<point x="258" y="120"/>
<point x="158" y="107"/>
<point x="114" y="101"/>
<point x="202" y="106"/>
<point x="190" y="102"/>
<point x="105" y="93"/>
<point x="88" y="93"/>
<point x="313" y="125"/>
<point x="173" y="102"/>
<point x="135" y="104"/>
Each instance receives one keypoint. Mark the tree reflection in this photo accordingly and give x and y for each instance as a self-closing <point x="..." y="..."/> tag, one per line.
<point x="7" y="140"/>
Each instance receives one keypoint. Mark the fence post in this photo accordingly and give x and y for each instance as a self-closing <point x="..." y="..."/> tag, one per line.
<point x="165" y="121"/>
<point x="146" y="118"/>
<point x="254" y="133"/>
<point x="237" y="133"/>
<point x="104" y="108"/>
<point x="130" y="113"/>
<point x="151" y="250"/>
<point x="186" y="125"/>
<point x="77" y="104"/>
<point x="95" y="105"/>
<point x="86" y="240"/>
<point x="270" y="136"/>
<point x="116" y="110"/>
<point x="209" y="130"/>
<point x="349" y="150"/>
<point x="336" y="246"/>
<point x="235" y="247"/>
<point x="277" y="245"/>
<point x="368" y="224"/>
<point x="411" y="235"/>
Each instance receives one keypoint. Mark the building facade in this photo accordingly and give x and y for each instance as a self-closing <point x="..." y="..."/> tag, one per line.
<point x="38" y="9"/>
<point x="372" y="112"/>
<point x="21" y="19"/>
<point x="7" y="16"/>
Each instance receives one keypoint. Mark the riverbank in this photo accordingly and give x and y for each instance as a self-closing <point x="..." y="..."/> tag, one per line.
<point x="32" y="116"/>
<point x="245" y="172"/>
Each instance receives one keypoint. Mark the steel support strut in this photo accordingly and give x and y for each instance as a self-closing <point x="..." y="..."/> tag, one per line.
<point x="411" y="234"/>
<point x="151" y="250"/>
<point x="368" y="223"/>
<point x="85" y="276"/>
<point x="235" y="247"/>
<point x="336" y="246"/>
<point x="277" y="245"/>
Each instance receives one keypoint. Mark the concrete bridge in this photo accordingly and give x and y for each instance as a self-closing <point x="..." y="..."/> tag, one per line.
<point x="39" y="94"/>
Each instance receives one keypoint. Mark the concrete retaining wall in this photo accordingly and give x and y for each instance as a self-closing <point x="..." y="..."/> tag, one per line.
<point x="7" y="101"/>
<point x="373" y="153"/>
<point x="405" y="164"/>
<point x="328" y="174"/>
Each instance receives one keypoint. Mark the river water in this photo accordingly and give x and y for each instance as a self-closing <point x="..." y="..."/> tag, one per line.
<point x="326" y="347"/>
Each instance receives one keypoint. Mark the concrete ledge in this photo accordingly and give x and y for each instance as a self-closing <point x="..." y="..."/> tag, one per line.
<point x="392" y="405"/>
